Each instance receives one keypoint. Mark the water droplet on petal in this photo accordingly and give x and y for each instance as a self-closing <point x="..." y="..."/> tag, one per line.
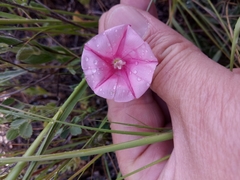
<point x="116" y="30"/>
<point x="97" y="45"/>
<point x="86" y="59"/>
<point x="109" y="44"/>
<point x="136" y="63"/>
<point x="114" y="87"/>
<point x="148" y="84"/>
<point x="100" y="89"/>
<point x="150" y="72"/>
<point x="95" y="62"/>
<point x="94" y="71"/>
<point x="135" y="71"/>
<point x="139" y="79"/>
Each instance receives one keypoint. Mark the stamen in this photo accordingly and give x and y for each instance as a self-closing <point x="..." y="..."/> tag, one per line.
<point x="118" y="63"/>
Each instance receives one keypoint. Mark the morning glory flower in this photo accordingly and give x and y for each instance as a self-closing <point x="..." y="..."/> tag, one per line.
<point x="118" y="64"/>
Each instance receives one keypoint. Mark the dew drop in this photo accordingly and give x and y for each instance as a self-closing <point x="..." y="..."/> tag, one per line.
<point x="114" y="87"/>
<point x="136" y="63"/>
<point x="116" y="30"/>
<point x="139" y="79"/>
<point x="97" y="45"/>
<point x="100" y="89"/>
<point x="95" y="62"/>
<point x="86" y="59"/>
<point x="148" y="84"/>
<point x="150" y="72"/>
<point x="109" y="44"/>
<point x="94" y="71"/>
<point x="135" y="71"/>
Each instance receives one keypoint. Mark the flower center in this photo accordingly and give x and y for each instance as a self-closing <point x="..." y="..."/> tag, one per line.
<point x="118" y="63"/>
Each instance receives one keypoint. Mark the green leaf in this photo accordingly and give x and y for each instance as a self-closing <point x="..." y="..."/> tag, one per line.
<point x="12" y="134"/>
<point x="76" y="119"/>
<point x="65" y="133"/>
<point x="9" y="40"/>
<point x="26" y="52"/>
<point x="8" y="101"/>
<point x="75" y="131"/>
<point x="17" y="123"/>
<point x="25" y="130"/>
<point x="3" y="48"/>
<point x="44" y="57"/>
<point x="35" y="91"/>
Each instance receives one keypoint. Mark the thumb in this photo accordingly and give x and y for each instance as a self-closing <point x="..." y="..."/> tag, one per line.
<point x="183" y="69"/>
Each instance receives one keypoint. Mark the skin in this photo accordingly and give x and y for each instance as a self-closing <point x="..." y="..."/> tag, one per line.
<point x="202" y="100"/>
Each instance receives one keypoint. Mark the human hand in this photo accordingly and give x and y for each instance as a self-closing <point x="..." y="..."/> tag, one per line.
<point x="200" y="95"/>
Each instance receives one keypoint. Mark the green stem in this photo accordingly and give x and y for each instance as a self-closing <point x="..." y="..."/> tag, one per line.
<point x="92" y="151"/>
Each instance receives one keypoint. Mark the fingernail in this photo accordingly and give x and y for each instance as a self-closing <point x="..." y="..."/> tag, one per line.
<point x="127" y="15"/>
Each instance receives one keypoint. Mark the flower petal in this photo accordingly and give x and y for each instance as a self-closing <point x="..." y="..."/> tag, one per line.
<point x="116" y="88"/>
<point x="106" y="44"/>
<point x="118" y="64"/>
<point x="130" y="42"/>
<point x="96" y="70"/>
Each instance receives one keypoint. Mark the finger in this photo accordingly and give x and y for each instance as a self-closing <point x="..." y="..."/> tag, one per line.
<point x="141" y="4"/>
<point x="182" y="67"/>
<point x="140" y="112"/>
<point x="236" y="70"/>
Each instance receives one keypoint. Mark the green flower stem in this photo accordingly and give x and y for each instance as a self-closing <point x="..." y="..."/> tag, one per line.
<point x="50" y="129"/>
<point x="234" y="42"/>
<point x="92" y="151"/>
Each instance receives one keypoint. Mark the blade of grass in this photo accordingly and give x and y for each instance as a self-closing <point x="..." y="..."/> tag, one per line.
<point x="92" y="151"/>
<point x="144" y="167"/>
<point x="224" y="27"/>
<point x="190" y="28"/>
<point x="234" y="43"/>
<point x="212" y="37"/>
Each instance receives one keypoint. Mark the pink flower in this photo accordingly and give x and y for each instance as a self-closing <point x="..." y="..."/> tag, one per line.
<point x="118" y="64"/>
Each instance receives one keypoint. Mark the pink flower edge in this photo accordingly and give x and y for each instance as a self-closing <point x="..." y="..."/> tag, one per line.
<point x="118" y="64"/>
